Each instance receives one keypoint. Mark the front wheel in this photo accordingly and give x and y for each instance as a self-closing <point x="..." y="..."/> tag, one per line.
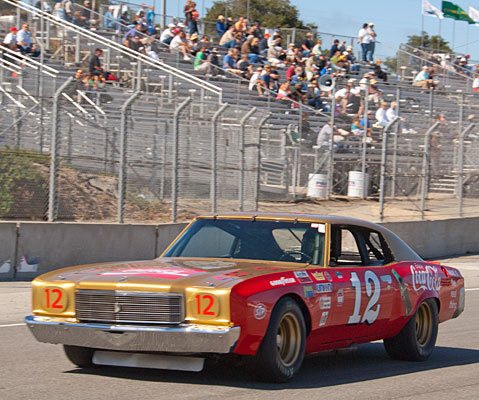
<point x="282" y="350"/>
<point x="80" y="356"/>
<point x="417" y="338"/>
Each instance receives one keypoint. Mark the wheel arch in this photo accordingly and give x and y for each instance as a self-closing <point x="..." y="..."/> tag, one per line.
<point x="304" y="309"/>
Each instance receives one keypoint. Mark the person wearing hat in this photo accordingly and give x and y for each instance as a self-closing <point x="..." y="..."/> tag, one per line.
<point x="168" y="34"/>
<point x="307" y="45"/>
<point x="372" y="41"/>
<point x="109" y="19"/>
<point x="220" y="25"/>
<point x="10" y="40"/>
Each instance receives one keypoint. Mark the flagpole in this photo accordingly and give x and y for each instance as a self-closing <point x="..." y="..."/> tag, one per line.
<point x="439" y="40"/>
<point x="453" y="34"/>
<point x="422" y="30"/>
<point x="467" y="38"/>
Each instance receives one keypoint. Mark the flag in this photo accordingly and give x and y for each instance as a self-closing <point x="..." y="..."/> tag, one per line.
<point x="453" y="11"/>
<point x="474" y="14"/>
<point x="429" y="9"/>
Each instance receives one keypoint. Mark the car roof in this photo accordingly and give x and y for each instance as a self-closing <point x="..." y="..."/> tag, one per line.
<point x="401" y="250"/>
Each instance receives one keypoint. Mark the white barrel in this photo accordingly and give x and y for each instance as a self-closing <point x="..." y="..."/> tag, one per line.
<point x="318" y="186"/>
<point x="358" y="184"/>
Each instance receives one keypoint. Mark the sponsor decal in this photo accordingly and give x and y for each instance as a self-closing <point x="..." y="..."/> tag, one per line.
<point x="454" y="294"/>
<point x="282" y="281"/>
<point x="425" y="277"/>
<point x="302" y="276"/>
<point x="325" y="303"/>
<point x="260" y="311"/>
<point x="340" y="297"/>
<point x="339" y="275"/>
<point x="324" y="318"/>
<point x="452" y="304"/>
<point x="454" y="272"/>
<point x="328" y="276"/>
<point x="166" y="273"/>
<point x="387" y="279"/>
<point x="324" y="287"/>
<point x="319" y="276"/>
<point x="320" y="227"/>
<point x="406" y="300"/>
<point x="308" y="291"/>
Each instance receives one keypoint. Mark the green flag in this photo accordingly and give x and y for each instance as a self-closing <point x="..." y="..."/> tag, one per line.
<point x="453" y="11"/>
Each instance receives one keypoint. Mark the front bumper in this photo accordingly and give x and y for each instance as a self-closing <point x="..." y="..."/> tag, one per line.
<point x="183" y="338"/>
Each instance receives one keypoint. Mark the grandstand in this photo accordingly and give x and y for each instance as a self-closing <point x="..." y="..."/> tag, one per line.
<point x="170" y="133"/>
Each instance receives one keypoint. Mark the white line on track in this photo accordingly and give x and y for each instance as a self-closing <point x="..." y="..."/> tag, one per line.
<point x="7" y="326"/>
<point x="472" y="289"/>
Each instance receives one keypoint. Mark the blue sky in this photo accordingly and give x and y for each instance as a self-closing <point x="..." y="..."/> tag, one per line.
<point x="394" y="20"/>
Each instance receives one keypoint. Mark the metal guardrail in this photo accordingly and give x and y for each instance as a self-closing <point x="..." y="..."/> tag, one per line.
<point x="118" y="47"/>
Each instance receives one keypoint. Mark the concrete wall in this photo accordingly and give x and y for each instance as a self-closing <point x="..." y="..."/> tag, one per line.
<point x="29" y="249"/>
<point x="433" y="239"/>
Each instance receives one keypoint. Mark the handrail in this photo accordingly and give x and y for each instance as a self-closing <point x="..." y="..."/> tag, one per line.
<point x="118" y="47"/>
<point x="31" y="63"/>
<point x="31" y="60"/>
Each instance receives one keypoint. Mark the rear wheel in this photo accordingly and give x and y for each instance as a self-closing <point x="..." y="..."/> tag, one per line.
<point x="80" y="356"/>
<point x="282" y="350"/>
<point x="417" y="339"/>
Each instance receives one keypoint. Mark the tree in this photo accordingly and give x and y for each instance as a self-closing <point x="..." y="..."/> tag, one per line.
<point x="270" y="13"/>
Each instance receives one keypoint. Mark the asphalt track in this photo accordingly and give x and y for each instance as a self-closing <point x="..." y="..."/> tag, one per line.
<point x="31" y="370"/>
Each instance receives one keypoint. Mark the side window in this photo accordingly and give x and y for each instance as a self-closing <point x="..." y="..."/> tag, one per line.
<point x="344" y="247"/>
<point x="378" y="252"/>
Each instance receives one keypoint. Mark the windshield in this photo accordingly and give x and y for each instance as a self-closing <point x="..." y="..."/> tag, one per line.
<point x="252" y="239"/>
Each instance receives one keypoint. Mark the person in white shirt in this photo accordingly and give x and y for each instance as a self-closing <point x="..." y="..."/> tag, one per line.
<point x="24" y="41"/>
<point x="372" y="41"/>
<point x="391" y="112"/>
<point x="11" y="39"/>
<point x="381" y="114"/>
<point x="364" y="39"/>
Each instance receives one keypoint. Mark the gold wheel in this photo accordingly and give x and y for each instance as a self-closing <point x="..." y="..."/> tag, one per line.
<point x="424" y="324"/>
<point x="288" y="339"/>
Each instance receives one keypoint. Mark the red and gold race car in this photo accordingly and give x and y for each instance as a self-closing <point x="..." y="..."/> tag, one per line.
<point x="271" y="287"/>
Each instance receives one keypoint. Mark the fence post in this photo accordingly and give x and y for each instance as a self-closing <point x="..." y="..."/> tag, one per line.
<point x="331" y="145"/>
<point x="214" y="151"/>
<point x="425" y="166"/>
<point x="123" y="146"/>
<point x="258" y="171"/>
<point x="365" y="135"/>
<point x="382" y="182"/>
<point x="242" y="161"/>
<point x="460" y="167"/>
<point x="174" y="180"/>
<point x="395" y="150"/>
<point x="52" y="192"/>
<point x="77" y="49"/>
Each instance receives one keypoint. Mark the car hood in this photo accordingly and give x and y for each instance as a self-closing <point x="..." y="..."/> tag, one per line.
<point x="167" y="273"/>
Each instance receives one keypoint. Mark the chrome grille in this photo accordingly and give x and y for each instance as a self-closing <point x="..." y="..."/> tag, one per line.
<point x="129" y="307"/>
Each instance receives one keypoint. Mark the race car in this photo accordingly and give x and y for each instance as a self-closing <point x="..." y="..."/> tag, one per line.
<point x="269" y="287"/>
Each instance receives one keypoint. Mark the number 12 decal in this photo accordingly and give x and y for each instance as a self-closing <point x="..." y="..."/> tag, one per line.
<point x="370" y="314"/>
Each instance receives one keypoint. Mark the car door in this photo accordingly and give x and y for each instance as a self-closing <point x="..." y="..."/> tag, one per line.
<point x="363" y="289"/>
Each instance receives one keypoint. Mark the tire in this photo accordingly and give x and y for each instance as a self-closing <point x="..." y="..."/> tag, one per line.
<point x="80" y="356"/>
<point x="281" y="352"/>
<point x="417" y="338"/>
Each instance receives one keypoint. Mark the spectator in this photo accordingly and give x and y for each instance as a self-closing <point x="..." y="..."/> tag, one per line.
<point x="180" y="44"/>
<point x="229" y="62"/>
<point x="24" y="41"/>
<point x="109" y="19"/>
<point x="263" y="82"/>
<point x="168" y="34"/>
<point x="255" y="31"/>
<point x="10" y="39"/>
<point x="391" y="112"/>
<point x="423" y="79"/>
<point x="324" y="136"/>
<point x="284" y="91"/>
<point x="379" y="72"/>
<point x="194" y="43"/>
<point x="375" y="94"/>
<point x="254" y="78"/>
<point x="364" y="39"/>
<point x="276" y="54"/>
<point x="201" y="64"/>
<point x="372" y="41"/>
<point x="68" y="5"/>
<point x="229" y="23"/>
<point x="365" y="124"/>
<point x="263" y="45"/>
<point x="381" y="115"/>
<point x="131" y="34"/>
<point x="315" y="97"/>
<point x="205" y="41"/>
<point x="227" y="37"/>
<point x="297" y="93"/>
<point x="306" y="133"/>
<point x="334" y="48"/>
<point x="317" y="51"/>
<point x="214" y="61"/>
<point x="96" y="70"/>
<point x="59" y="11"/>
<point x="235" y="42"/>
<point x="312" y="73"/>
<point x="342" y="46"/>
<point x="245" y="66"/>
<point x="250" y="48"/>
<point x="143" y="10"/>
<point x="307" y="45"/>
<point x="241" y="25"/>
<point x="190" y="6"/>
<point x="150" y="16"/>
<point x="193" y="28"/>
<point x="220" y="26"/>
<point x="353" y="65"/>
<point x="475" y="83"/>
<point x="124" y="21"/>
<point x="85" y="14"/>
